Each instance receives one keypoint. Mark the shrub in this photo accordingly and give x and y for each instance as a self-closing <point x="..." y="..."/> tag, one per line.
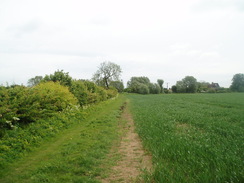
<point x="80" y="91"/>
<point x="52" y="97"/>
<point x="92" y="92"/>
<point x="23" y="105"/>
<point x="10" y="101"/>
<point x="102" y="93"/>
<point x="112" y="92"/>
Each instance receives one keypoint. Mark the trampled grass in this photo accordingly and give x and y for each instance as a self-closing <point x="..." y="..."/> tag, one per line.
<point x="192" y="137"/>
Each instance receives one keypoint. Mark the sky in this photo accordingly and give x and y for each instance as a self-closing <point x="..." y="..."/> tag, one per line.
<point x="160" y="39"/>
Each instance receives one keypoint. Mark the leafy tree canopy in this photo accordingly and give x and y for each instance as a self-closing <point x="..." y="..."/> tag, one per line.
<point x="119" y="85"/>
<point x="142" y="85"/>
<point x="238" y="83"/>
<point x="59" y="76"/>
<point x="160" y="83"/>
<point x="34" y="81"/>
<point x="187" y="85"/>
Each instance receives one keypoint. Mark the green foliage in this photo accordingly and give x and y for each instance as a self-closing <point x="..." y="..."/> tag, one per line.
<point x="102" y="94"/>
<point x="174" y="89"/>
<point x="137" y="87"/>
<point x="154" y="88"/>
<point x="15" y="143"/>
<point x="135" y="80"/>
<point x="187" y="85"/>
<point x="202" y="87"/>
<point x="112" y="92"/>
<point x="80" y="91"/>
<point x="237" y="83"/>
<point x="192" y="138"/>
<point x="92" y="88"/>
<point x="160" y="83"/>
<point x="53" y="96"/>
<point x="11" y="100"/>
<point x="97" y="93"/>
<point x="82" y="141"/>
<point x="142" y="85"/>
<point x="119" y="85"/>
<point x="30" y="104"/>
<point x="142" y="89"/>
<point x="59" y="76"/>
<point x="35" y="81"/>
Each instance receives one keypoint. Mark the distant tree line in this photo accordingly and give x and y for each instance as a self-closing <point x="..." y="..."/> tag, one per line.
<point x="188" y="84"/>
<point x="142" y="85"/>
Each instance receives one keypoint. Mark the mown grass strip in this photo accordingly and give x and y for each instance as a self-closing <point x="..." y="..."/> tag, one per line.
<point x="192" y="138"/>
<point x="75" y="154"/>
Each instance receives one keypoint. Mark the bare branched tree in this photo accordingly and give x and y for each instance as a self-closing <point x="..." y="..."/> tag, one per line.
<point x="107" y="72"/>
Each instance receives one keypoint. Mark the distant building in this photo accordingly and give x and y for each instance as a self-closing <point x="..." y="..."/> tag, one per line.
<point x="214" y="85"/>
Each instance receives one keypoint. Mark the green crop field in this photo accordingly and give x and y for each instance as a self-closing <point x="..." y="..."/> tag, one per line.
<point x="192" y="137"/>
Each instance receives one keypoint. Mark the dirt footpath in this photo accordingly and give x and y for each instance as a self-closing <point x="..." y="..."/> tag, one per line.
<point x="133" y="157"/>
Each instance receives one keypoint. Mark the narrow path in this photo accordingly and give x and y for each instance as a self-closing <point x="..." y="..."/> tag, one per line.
<point x="133" y="159"/>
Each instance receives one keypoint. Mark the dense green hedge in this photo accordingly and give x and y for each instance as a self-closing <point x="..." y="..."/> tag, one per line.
<point x="20" y="105"/>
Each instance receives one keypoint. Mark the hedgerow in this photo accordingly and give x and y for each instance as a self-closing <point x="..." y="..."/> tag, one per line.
<point x="28" y="115"/>
<point x="20" y="105"/>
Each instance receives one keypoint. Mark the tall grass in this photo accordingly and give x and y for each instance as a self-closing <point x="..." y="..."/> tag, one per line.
<point x="193" y="138"/>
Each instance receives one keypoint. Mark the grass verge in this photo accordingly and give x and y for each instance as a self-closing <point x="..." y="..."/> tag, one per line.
<point x="74" y="154"/>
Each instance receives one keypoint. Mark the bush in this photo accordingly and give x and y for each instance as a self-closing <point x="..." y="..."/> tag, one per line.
<point x="53" y="96"/>
<point x="92" y="92"/>
<point x="10" y="102"/>
<point x="102" y="94"/>
<point x="23" y="105"/>
<point x="80" y="91"/>
<point x="112" y="92"/>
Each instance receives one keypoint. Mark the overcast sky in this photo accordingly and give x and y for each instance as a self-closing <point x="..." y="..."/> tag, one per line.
<point x="160" y="39"/>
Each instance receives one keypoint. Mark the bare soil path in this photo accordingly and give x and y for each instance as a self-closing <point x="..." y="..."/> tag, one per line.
<point x="133" y="158"/>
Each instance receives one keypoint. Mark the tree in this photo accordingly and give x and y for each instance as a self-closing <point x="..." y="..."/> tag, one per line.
<point x="34" y="81"/>
<point x="187" y="85"/>
<point x="180" y="87"/>
<point x="59" y="76"/>
<point x="174" y="89"/>
<point x="139" y="85"/>
<point x="134" y="80"/>
<point x="142" y="85"/>
<point x="202" y="86"/>
<point x="238" y="83"/>
<point x="119" y="85"/>
<point x="154" y="88"/>
<point x="107" y="72"/>
<point x="160" y="83"/>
